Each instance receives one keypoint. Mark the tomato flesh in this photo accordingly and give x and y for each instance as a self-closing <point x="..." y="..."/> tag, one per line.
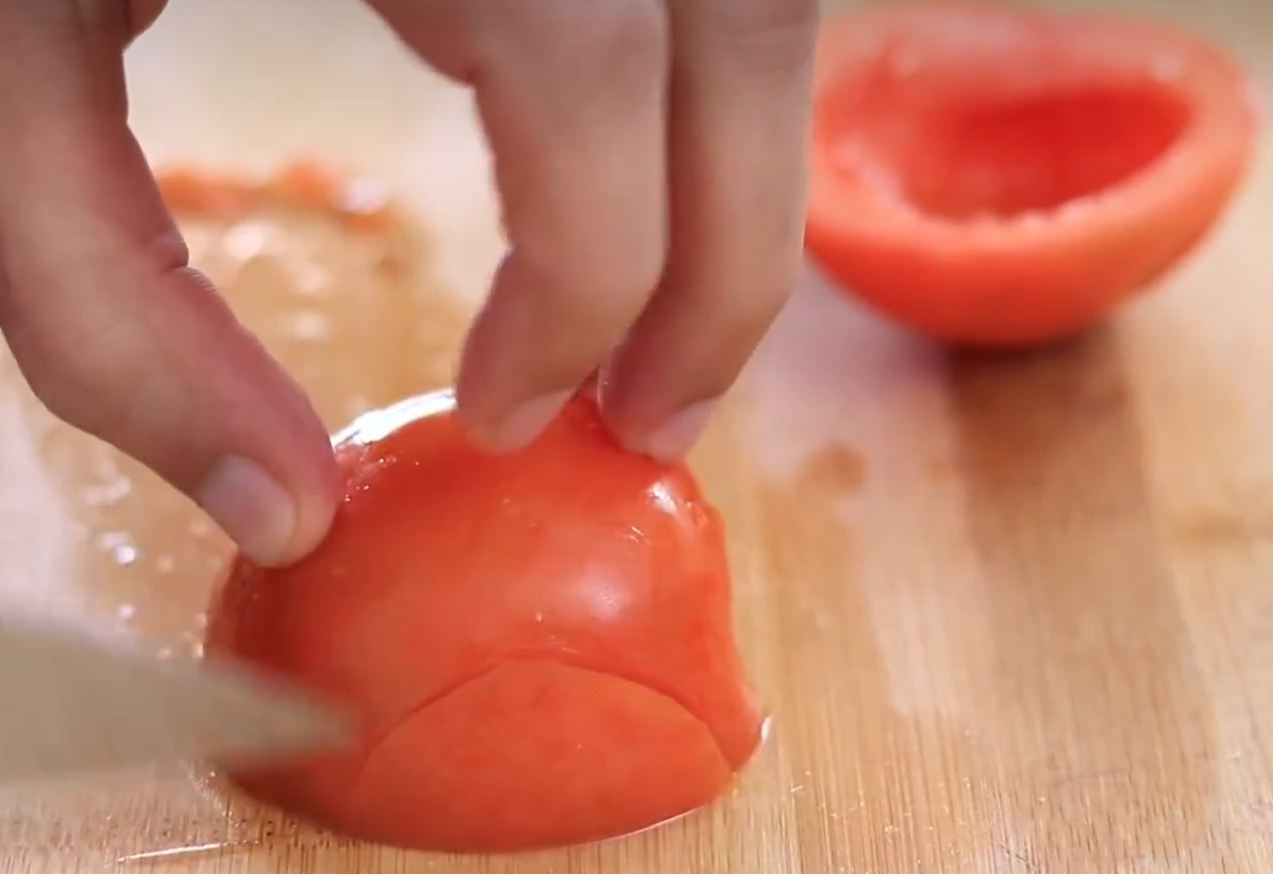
<point x="995" y="176"/>
<point x="1024" y="155"/>
<point x="540" y="644"/>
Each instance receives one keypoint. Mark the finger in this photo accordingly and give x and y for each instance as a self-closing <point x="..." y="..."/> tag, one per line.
<point x="141" y="14"/>
<point x="124" y="20"/>
<point x="113" y="331"/>
<point x="571" y="94"/>
<point x="740" y="116"/>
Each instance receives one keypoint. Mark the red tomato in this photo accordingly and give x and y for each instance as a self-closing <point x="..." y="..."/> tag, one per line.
<point x="995" y="176"/>
<point x="539" y="644"/>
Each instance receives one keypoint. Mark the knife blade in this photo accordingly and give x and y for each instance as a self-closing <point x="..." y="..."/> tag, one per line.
<point x="71" y="703"/>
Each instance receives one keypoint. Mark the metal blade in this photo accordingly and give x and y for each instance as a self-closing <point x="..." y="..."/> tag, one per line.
<point x="71" y="703"/>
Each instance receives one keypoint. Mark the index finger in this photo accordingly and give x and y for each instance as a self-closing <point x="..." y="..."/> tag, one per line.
<point x="571" y="94"/>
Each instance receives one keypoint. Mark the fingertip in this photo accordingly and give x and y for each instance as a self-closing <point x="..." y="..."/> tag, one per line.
<point x="270" y="524"/>
<point x="672" y="439"/>
<point x="662" y="434"/>
<point x="508" y="426"/>
<point x="513" y="381"/>
<point x="130" y="365"/>
<point x="250" y="506"/>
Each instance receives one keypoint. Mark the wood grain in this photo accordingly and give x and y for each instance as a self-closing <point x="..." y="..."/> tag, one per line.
<point x="1011" y="617"/>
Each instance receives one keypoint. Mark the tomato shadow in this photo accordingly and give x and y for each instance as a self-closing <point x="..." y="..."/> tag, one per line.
<point x="1092" y="682"/>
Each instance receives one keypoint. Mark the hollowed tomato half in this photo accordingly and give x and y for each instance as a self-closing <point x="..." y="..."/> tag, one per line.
<point x="1002" y="177"/>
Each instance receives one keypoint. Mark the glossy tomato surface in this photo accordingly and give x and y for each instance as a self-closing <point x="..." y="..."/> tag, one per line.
<point x="539" y="644"/>
<point x="997" y="176"/>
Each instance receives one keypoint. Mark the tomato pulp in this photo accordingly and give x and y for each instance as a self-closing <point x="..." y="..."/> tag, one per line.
<point x="996" y="176"/>
<point x="303" y="184"/>
<point x="539" y="644"/>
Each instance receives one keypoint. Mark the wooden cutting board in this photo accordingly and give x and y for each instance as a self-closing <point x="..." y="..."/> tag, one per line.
<point x="1008" y="618"/>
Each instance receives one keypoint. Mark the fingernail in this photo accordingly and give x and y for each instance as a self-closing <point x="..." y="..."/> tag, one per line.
<point x="675" y="437"/>
<point x="521" y="426"/>
<point x="257" y="513"/>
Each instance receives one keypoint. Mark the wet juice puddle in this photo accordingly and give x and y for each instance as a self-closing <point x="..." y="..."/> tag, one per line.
<point x="350" y="309"/>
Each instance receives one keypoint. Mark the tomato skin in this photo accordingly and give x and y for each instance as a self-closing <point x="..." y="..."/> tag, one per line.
<point x="504" y="624"/>
<point x="1073" y="223"/>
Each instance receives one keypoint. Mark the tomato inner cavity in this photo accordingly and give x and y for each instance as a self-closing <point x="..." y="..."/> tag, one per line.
<point x="960" y="156"/>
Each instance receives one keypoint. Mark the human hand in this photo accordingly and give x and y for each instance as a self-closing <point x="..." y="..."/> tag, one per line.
<point x="650" y="156"/>
<point x="110" y="327"/>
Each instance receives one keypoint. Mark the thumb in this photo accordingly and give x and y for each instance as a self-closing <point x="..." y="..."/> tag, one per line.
<point x="114" y="332"/>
